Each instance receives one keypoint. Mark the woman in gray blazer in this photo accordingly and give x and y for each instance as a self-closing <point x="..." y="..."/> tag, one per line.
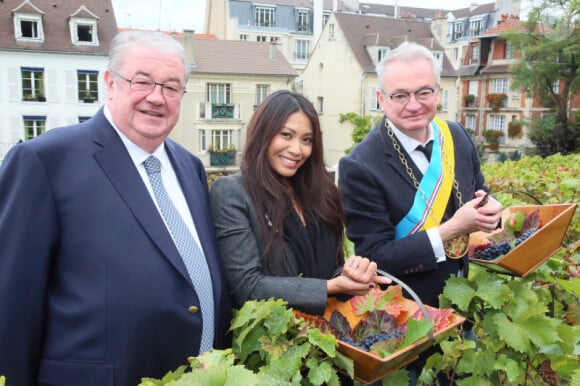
<point x="279" y="222"/>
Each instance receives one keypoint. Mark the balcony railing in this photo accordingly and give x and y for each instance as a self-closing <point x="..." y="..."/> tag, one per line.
<point x="219" y="111"/>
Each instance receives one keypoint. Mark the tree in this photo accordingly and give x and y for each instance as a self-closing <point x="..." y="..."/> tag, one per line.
<point x="549" y="70"/>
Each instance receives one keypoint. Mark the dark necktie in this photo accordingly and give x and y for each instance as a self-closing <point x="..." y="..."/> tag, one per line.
<point x="427" y="149"/>
<point x="192" y="255"/>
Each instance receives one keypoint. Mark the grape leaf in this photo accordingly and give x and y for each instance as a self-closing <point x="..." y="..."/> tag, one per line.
<point x="340" y="325"/>
<point x="416" y="330"/>
<point x="376" y="299"/>
<point x="440" y="318"/>
<point x="531" y="221"/>
<point x="376" y="322"/>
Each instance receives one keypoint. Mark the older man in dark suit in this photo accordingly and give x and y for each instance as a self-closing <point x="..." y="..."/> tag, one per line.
<point x="412" y="188"/>
<point x="97" y="284"/>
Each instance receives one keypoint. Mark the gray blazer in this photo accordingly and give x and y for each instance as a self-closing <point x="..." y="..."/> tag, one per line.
<point x="240" y="247"/>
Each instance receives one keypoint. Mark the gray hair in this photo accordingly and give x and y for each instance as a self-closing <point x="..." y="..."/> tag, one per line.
<point x="158" y="41"/>
<point x="408" y="51"/>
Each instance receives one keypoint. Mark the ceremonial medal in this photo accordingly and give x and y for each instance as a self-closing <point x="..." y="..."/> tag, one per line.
<point x="457" y="247"/>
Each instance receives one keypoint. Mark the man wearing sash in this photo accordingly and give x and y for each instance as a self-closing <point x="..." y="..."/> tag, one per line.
<point x="412" y="212"/>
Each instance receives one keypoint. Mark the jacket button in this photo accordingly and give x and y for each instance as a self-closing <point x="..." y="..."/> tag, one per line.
<point x="193" y="309"/>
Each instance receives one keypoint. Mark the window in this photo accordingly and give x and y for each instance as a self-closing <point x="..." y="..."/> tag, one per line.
<point x="88" y="86"/>
<point x="325" y="17"/>
<point x="261" y="38"/>
<point x="556" y="86"/>
<point x="222" y="139"/>
<point x="383" y="52"/>
<point x="499" y="86"/>
<point x="262" y="91"/>
<point x="331" y="32"/>
<point x="474" y="53"/>
<point x="265" y="17"/>
<point x="34" y="126"/>
<point x="29" y="27"/>
<point x="444" y="100"/>
<point x="303" y="22"/>
<point x="301" y="53"/>
<point x="218" y="93"/>
<point x="243" y="37"/>
<point x="320" y="104"/>
<point x="470" y="122"/>
<point x="32" y="84"/>
<point x="83" y="118"/>
<point x="510" y="51"/>
<point x="375" y="105"/>
<point x="202" y="140"/>
<point x="497" y="122"/>
<point x="475" y="27"/>
<point x="84" y="31"/>
<point x="458" y="30"/>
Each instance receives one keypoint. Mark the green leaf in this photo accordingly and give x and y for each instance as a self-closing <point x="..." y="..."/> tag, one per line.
<point x="320" y="372"/>
<point x="511" y="333"/>
<point x="345" y="363"/>
<point x="399" y="377"/>
<point x="326" y="342"/>
<point x="168" y="379"/>
<point x="416" y="330"/>
<point x="571" y="285"/>
<point x="459" y="292"/>
<point x="511" y="368"/>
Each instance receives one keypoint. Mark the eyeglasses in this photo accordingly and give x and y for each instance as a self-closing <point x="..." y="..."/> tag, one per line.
<point x="143" y="84"/>
<point x="422" y="95"/>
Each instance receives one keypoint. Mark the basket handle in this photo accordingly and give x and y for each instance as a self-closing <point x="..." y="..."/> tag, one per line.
<point x="413" y="295"/>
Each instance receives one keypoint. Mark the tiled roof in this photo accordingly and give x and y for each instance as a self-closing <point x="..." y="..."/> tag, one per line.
<point x="496" y="69"/>
<point x="362" y="31"/>
<point x="327" y="4"/>
<point x="239" y="57"/>
<point x="509" y="25"/>
<point x="479" y="10"/>
<point x="404" y="12"/>
<point x="55" y="16"/>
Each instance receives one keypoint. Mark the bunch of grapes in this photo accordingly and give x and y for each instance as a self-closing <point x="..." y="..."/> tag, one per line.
<point x="371" y="339"/>
<point x="524" y="236"/>
<point x="492" y="251"/>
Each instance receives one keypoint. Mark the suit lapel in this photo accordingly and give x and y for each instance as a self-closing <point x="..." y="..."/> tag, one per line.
<point x="118" y="166"/>
<point x="194" y="195"/>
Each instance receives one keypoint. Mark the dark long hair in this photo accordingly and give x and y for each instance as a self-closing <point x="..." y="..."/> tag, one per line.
<point x="314" y="189"/>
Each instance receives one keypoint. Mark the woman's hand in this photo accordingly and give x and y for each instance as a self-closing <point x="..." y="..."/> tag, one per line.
<point x="359" y="275"/>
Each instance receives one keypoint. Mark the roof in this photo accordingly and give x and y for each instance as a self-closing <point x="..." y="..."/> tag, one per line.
<point x="240" y="58"/>
<point x="478" y="10"/>
<point x="327" y="4"/>
<point x="55" y="16"/>
<point x="511" y="24"/>
<point x="496" y="69"/>
<point x="362" y="31"/>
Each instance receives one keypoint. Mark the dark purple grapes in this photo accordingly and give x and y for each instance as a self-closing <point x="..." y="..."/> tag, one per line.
<point x="372" y="339"/>
<point x="524" y="236"/>
<point x="493" y="251"/>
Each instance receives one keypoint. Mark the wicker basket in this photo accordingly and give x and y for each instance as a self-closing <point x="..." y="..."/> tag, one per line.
<point x="545" y="242"/>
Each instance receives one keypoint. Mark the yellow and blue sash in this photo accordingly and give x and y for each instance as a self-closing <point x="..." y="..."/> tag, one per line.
<point x="436" y="185"/>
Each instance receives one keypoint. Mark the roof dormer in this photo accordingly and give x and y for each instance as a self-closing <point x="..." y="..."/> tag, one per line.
<point x="83" y="27"/>
<point x="28" y="22"/>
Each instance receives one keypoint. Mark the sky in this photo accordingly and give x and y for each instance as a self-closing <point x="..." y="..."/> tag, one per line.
<point x="177" y="15"/>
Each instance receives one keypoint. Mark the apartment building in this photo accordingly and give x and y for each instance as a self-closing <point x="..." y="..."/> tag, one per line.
<point x="52" y="57"/>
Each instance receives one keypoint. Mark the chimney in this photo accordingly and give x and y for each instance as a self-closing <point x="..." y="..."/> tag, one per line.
<point x="317" y="17"/>
<point x="272" y="54"/>
<point x="472" y="6"/>
<point x="188" y="44"/>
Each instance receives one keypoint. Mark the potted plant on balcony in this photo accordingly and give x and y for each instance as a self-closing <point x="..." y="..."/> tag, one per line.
<point x="496" y="100"/>
<point x="222" y="157"/>
<point x="469" y="99"/>
<point x="515" y="129"/>
<point x="492" y="137"/>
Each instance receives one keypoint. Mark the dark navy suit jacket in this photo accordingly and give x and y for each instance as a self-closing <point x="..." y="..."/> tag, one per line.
<point x="377" y="192"/>
<point x="92" y="289"/>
